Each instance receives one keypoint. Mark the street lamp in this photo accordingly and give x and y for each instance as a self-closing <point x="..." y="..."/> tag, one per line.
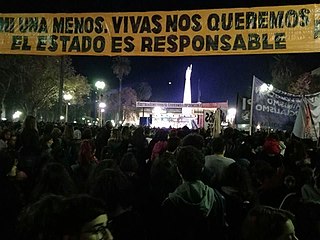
<point x="16" y="115"/>
<point x="67" y="97"/>
<point x="102" y="106"/>
<point x="100" y="85"/>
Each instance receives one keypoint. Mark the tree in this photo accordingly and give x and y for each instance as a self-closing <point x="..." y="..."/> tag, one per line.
<point x="35" y="82"/>
<point x="284" y="70"/>
<point x="129" y="99"/>
<point x="7" y="73"/>
<point x="121" y="68"/>
<point x="301" y="85"/>
<point x="79" y="88"/>
<point x="315" y="84"/>
<point x="143" y="90"/>
<point x="129" y="104"/>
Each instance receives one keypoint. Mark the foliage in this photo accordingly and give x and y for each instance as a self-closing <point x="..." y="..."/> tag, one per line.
<point x="78" y="87"/>
<point x="144" y="91"/>
<point x="7" y="73"/>
<point x="315" y="84"/>
<point x="35" y="82"/>
<point x="128" y="102"/>
<point x="284" y="70"/>
<point x="121" y="67"/>
<point x="306" y="83"/>
<point x="301" y="85"/>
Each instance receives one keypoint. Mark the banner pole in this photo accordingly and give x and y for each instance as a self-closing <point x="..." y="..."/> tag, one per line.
<point x="251" y="108"/>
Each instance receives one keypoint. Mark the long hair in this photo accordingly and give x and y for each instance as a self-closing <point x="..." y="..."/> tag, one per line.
<point x="86" y="152"/>
<point x="54" y="179"/>
<point x="30" y="123"/>
<point x="68" y="132"/>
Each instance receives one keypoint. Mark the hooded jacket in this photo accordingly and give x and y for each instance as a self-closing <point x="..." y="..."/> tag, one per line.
<point x="195" y="197"/>
<point x="192" y="212"/>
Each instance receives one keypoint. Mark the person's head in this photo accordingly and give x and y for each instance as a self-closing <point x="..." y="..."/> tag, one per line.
<point x="87" y="133"/>
<point x="218" y="145"/>
<point x="30" y="123"/>
<point x="68" y="132"/>
<point x="12" y="141"/>
<point x="109" y="125"/>
<point x="54" y="179"/>
<point x="190" y="163"/>
<point x="41" y="220"/>
<point x="238" y="177"/>
<point x="267" y="223"/>
<point x="113" y="187"/>
<point x="56" y="133"/>
<point x="173" y="143"/>
<point x="77" y="134"/>
<point x="161" y="135"/>
<point x="173" y="133"/>
<point x="6" y="134"/>
<point x="129" y="163"/>
<point x="54" y="217"/>
<point x="193" y="139"/>
<point x="115" y="134"/>
<point x="125" y="133"/>
<point x="86" y="152"/>
<point x="138" y="138"/>
<point x="85" y="218"/>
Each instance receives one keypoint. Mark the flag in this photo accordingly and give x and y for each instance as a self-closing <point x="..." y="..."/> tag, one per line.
<point x="216" y="130"/>
<point x="273" y="108"/>
<point x="243" y="110"/>
<point x="307" y="122"/>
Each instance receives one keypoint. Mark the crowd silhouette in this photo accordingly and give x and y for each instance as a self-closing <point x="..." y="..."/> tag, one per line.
<point x="67" y="181"/>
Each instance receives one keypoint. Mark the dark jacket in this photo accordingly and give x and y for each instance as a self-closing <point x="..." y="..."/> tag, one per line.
<point x="194" y="211"/>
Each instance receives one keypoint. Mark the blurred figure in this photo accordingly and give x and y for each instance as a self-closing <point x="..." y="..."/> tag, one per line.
<point x="11" y="201"/>
<point x="86" y="164"/>
<point x="308" y="220"/>
<point x="115" y="190"/>
<point x="217" y="162"/>
<point x="54" y="179"/>
<point x="239" y="195"/>
<point x="310" y="191"/>
<point x="102" y="138"/>
<point x="29" y="146"/>
<point x="57" y="218"/>
<point x="5" y="137"/>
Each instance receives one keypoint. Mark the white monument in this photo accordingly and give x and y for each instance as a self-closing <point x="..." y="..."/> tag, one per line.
<point x="187" y="92"/>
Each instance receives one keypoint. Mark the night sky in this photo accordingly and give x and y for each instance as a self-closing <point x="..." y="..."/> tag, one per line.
<point x="220" y="77"/>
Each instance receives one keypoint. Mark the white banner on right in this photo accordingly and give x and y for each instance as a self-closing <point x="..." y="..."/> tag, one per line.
<point x="307" y="122"/>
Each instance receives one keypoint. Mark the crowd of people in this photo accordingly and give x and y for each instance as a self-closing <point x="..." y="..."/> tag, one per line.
<point x="65" y="181"/>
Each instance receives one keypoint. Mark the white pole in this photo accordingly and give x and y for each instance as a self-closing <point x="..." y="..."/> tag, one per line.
<point x="251" y="108"/>
<point x="67" y="108"/>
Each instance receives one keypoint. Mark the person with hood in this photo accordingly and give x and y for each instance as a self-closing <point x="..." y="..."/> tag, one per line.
<point x="194" y="210"/>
